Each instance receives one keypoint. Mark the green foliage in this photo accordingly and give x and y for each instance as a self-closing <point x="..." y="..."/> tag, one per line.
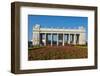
<point x="35" y="47"/>
<point x="81" y="46"/>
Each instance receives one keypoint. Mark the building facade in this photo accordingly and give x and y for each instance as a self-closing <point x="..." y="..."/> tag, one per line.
<point x="58" y="36"/>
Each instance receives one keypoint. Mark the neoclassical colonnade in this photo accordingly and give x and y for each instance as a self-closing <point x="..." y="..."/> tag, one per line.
<point x="58" y="39"/>
<point x="55" y="36"/>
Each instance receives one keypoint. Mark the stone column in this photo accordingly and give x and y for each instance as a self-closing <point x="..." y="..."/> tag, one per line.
<point x="74" y="38"/>
<point x="68" y="38"/>
<point x="51" y="39"/>
<point x="57" y="39"/>
<point x="45" y="39"/>
<point x="63" y="40"/>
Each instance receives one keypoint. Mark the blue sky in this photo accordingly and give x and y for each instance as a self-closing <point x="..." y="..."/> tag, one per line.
<point x="55" y="21"/>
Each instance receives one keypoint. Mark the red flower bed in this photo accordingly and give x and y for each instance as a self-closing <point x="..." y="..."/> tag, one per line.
<point x="60" y="52"/>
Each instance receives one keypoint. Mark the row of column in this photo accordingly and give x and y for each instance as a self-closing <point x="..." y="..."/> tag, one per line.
<point x="63" y="40"/>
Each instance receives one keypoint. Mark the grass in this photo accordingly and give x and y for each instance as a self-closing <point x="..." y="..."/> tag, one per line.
<point x="61" y="52"/>
<point x="35" y="47"/>
<point x="81" y="46"/>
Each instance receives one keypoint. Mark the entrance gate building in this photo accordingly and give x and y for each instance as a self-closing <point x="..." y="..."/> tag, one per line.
<point x="58" y="36"/>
